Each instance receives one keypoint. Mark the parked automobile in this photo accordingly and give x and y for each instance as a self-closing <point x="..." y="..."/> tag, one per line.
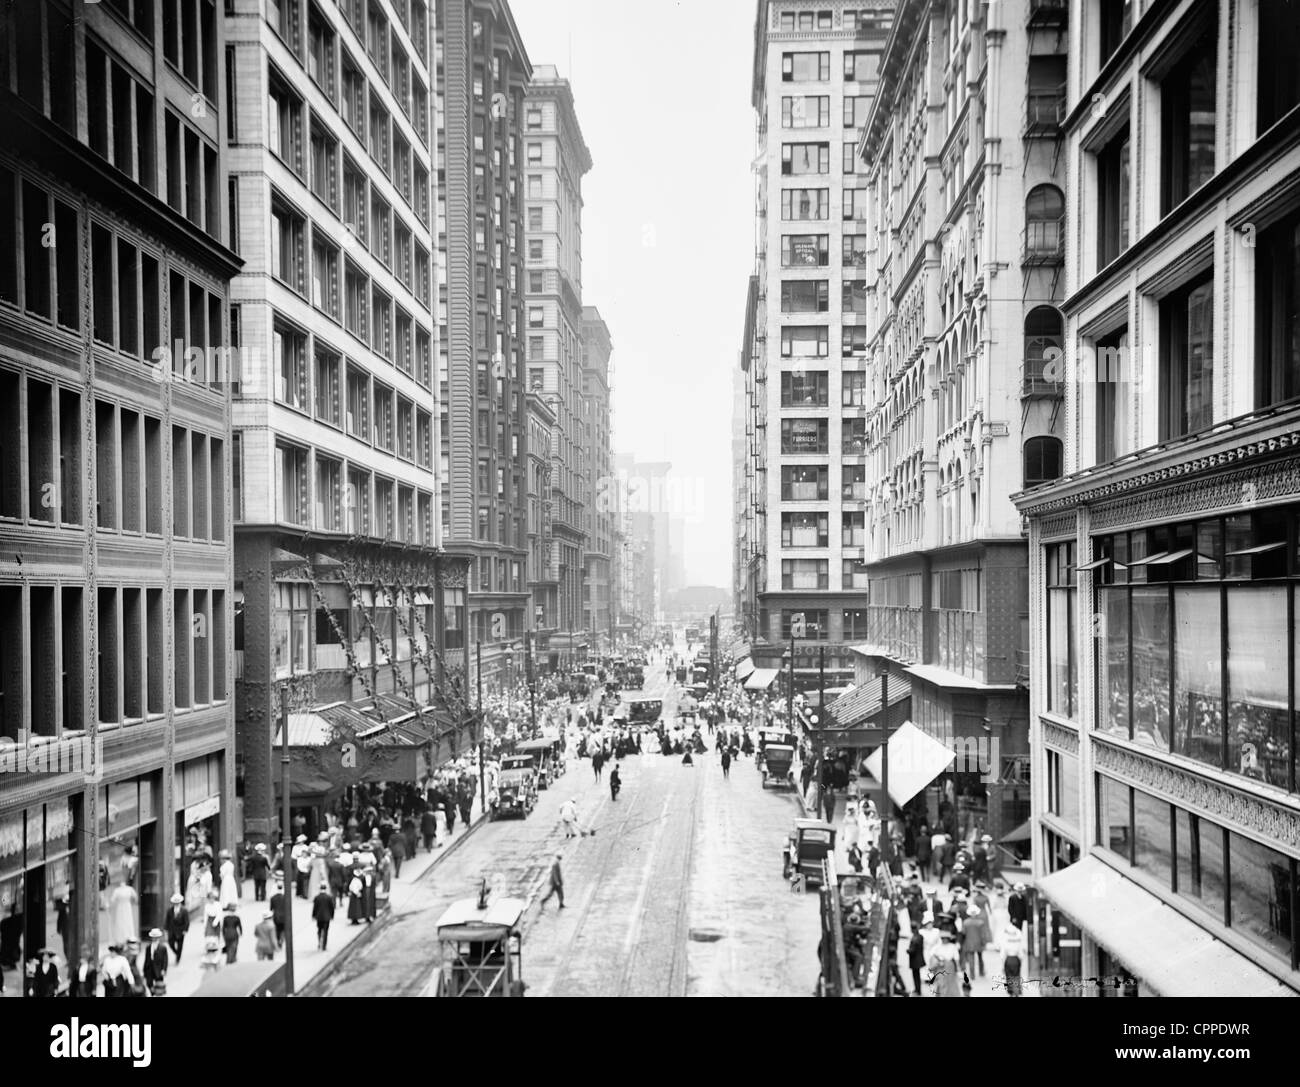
<point x="805" y="848"/>
<point x="515" y="794"/>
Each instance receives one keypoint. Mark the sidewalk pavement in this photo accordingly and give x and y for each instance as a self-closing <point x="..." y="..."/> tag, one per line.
<point x="185" y="977"/>
<point x="992" y="983"/>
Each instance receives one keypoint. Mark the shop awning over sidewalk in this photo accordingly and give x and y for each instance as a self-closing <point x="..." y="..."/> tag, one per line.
<point x="762" y="679"/>
<point x="915" y="760"/>
<point x="349" y="744"/>
<point x="1171" y="954"/>
<point x="744" y="669"/>
<point x="863" y="702"/>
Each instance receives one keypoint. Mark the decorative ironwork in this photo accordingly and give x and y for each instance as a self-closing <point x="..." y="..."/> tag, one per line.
<point x="1235" y="809"/>
<point x="1061" y="738"/>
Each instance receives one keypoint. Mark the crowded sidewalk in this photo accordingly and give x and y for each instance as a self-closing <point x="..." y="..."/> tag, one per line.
<point x="184" y="978"/>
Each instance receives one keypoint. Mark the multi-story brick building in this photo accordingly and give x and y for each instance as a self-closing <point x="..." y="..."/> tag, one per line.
<point x="599" y="488"/>
<point x="335" y="414"/>
<point x="815" y="72"/>
<point x="482" y="73"/>
<point x="116" y="613"/>
<point x="555" y="160"/>
<point x="1165" y="565"/>
<point x="964" y="248"/>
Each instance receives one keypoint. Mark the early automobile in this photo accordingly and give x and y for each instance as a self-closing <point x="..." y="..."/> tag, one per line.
<point x="480" y="946"/>
<point x="515" y="793"/>
<point x="644" y="711"/>
<point x="634" y="677"/>
<point x="776" y="761"/>
<point x="549" y="759"/>
<point x="805" y="848"/>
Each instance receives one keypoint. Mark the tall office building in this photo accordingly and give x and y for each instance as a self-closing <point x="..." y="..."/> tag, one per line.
<point x="1165" y="565"/>
<point x="555" y="160"/>
<point x="963" y="263"/>
<point x="337" y="502"/>
<point x="116" y="617"/>
<point x="815" y="73"/>
<point x="600" y="493"/>
<point x="482" y="73"/>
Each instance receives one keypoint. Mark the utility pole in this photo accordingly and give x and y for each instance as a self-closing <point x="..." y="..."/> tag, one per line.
<point x="482" y="727"/>
<point x="790" y="692"/>
<point x="885" y="804"/>
<point x="529" y="675"/>
<point x="821" y="710"/>
<point x="886" y="842"/>
<point x="286" y="839"/>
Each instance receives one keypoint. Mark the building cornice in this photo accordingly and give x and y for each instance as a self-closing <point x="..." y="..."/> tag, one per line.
<point x="1266" y="446"/>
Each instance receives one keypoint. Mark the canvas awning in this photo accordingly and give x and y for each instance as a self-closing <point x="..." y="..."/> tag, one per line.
<point x="744" y="669"/>
<point x="1022" y="833"/>
<point x="915" y="760"/>
<point x="762" y="679"/>
<point x="1171" y="954"/>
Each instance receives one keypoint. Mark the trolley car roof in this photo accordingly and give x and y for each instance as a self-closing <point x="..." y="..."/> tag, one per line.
<point x="465" y="921"/>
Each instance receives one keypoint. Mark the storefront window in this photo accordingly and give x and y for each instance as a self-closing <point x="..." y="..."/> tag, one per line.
<point x="37" y="887"/>
<point x="1114" y="663"/>
<point x="1061" y="652"/>
<point x="1259" y="724"/>
<point x="1198" y="684"/>
<point x="1069" y="788"/>
<point x="1150" y="665"/>
<point x="1114" y="828"/>
<point x="128" y="861"/>
<point x="1152" y="835"/>
<point x="1262" y="895"/>
<point x="1200" y="862"/>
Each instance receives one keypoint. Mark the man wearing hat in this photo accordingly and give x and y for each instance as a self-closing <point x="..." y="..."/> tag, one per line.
<point x="277" y="907"/>
<point x="959" y="878"/>
<point x="85" y="977"/>
<point x="1018" y="907"/>
<point x="301" y="856"/>
<point x="264" y="934"/>
<point x="259" y="866"/>
<point x="231" y="930"/>
<point x="155" y="964"/>
<point x="322" y="912"/>
<point x="177" y="924"/>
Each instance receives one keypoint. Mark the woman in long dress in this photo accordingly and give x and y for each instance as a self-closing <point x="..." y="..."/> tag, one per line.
<point x="121" y="914"/>
<point x="229" y="885"/>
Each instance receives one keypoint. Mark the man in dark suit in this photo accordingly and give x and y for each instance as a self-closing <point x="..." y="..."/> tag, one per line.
<point x="322" y="912"/>
<point x="177" y="924"/>
<point x="276" y="906"/>
<point x="155" y="964"/>
<point x="259" y="866"/>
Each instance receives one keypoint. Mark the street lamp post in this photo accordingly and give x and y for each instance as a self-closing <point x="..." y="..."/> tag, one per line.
<point x="482" y="727"/>
<point x="286" y="838"/>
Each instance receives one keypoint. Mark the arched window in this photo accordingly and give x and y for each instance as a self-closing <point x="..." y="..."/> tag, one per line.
<point x="1044" y="221"/>
<point x="1043" y="340"/>
<point x="1043" y="460"/>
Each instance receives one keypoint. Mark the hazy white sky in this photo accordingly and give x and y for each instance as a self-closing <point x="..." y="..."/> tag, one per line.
<point x="662" y="91"/>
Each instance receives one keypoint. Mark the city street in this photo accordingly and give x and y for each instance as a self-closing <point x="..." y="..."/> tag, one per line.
<point x="677" y="890"/>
